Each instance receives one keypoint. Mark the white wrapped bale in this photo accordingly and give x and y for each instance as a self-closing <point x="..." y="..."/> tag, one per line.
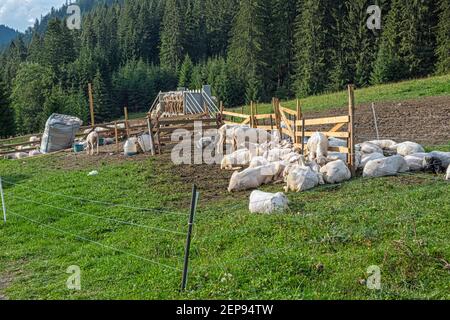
<point x="369" y="157"/>
<point x="415" y="161"/>
<point x="408" y="148"/>
<point x="263" y="202"/>
<point x="336" y="172"/>
<point x="390" y="166"/>
<point x="301" y="179"/>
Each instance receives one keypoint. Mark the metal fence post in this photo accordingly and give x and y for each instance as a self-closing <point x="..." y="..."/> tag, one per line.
<point x="194" y="201"/>
<point x="3" y="200"/>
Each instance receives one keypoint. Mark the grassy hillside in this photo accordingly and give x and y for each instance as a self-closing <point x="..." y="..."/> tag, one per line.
<point x="412" y="89"/>
<point x="320" y="250"/>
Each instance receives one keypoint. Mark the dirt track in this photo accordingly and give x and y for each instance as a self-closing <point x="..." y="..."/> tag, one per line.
<point x="426" y="121"/>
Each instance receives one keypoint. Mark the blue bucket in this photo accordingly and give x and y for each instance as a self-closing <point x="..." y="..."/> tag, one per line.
<point x="77" y="148"/>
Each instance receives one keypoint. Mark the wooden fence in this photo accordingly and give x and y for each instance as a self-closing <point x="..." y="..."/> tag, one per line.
<point x="296" y="125"/>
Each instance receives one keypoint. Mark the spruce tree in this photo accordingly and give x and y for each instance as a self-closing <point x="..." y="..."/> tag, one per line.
<point x="185" y="76"/>
<point x="6" y="113"/>
<point x="102" y="101"/>
<point x="171" y="51"/>
<point x="313" y="57"/>
<point x="443" y="38"/>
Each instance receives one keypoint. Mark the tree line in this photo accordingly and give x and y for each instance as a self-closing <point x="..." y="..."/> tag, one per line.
<point x="246" y="49"/>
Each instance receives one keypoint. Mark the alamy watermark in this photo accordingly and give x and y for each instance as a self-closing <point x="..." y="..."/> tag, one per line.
<point x="74" y="17"/>
<point x="374" y="21"/>
<point x="374" y="279"/>
<point x="74" y="281"/>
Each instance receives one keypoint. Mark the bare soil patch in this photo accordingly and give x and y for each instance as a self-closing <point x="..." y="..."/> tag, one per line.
<point x="425" y="121"/>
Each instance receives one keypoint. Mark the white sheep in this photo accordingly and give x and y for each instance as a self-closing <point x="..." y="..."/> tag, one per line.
<point x="384" y="144"/>
<point x="93" y="140"/>
<point x="416" y="161"/>
<point x="333" y="156"/>
<point x="444" y="157"/>
<point x="336" y="172"/>
<point x="335" y="142"/>
<point x="226" y="136"/>
<point x="253" y="135"/>
<point x="318" y="148"/>
<point x="407" y="148"/>
<point x="447" y="177"/>
<point x="301" y="178"/>
<point x="366" y="158"/>
<point x="240" y="157"/>
<point x="262" y="202"/>
<point x="253" y="178"/>
<point x="34" y="153"/>
<point x="277" y="154"/>
<point x="258" y="162"/>
<point x="368" y="148"/>
<point x="389" y="166"/>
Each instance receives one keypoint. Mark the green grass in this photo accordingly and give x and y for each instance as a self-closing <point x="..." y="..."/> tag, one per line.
<point x="400" y="224"/>
<point x="412" y="89"/>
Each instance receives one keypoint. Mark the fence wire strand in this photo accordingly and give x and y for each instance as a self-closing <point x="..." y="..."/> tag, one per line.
<point x="97" y="201"/>
<point x="98" y="217"/>
<point x="93" y="241"/>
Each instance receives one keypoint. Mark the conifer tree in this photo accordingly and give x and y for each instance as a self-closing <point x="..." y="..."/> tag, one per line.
<point x="185" y="76"/>
<point x="443" y="38"/>
<point x="102" y="101"/>
<point x="171" y="51"/>
<point x="6" y="113"/>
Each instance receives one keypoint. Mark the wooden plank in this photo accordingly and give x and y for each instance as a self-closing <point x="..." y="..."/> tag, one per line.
<point x="263" y="116"/>
<point x="164" y="122"/>
<point x="14" y="151"/>
<point x="267" y="128"/>
<point x="328" y="134"/>
<point x="235" y="114"/>
<point x="321" y="121"/>
<point x="339" y="149"/>
<point x="5" y="146"/>
<point x="288" y="111"/>
<point x="189" y="128"/>
<point x="288" y="124"/>
<point x="338" y="127"/>
<point x="351" y="133"/>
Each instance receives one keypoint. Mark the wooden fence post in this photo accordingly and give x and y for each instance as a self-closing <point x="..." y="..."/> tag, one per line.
<point x="91" y="105"/>
<point x="299" y="117"/>
<point x="351" y="128"/>
<point x="117" y="137"/>
<point x="125" y="110"/>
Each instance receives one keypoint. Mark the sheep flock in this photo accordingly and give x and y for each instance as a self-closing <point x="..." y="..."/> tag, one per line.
<point x="275" y="160"/>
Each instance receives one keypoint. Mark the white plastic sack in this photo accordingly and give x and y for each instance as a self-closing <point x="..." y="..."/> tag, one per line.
<point x="262" y="202"/>
<point x="60" y="132"/>
<point x="145" y="142"/>
<point x="390" y="166"/>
